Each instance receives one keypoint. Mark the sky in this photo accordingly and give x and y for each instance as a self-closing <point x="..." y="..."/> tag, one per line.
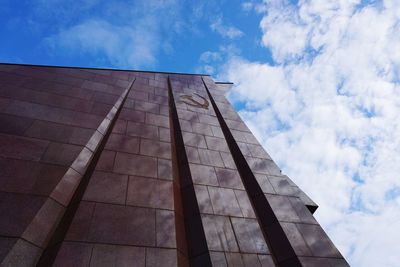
<point x="317" y="81"/>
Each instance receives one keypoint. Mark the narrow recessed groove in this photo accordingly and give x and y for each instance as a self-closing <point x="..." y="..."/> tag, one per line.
<point x="50" y="252"/>
<point x="197" y="249"/>
<point x="280" y="247"/>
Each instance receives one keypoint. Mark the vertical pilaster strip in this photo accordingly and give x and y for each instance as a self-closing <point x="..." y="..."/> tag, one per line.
<point x="197" y="249"/>
<point x="280" y="247"/>
<point x="41" y="240"/>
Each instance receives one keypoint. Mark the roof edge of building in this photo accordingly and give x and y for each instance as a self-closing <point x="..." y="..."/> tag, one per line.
<point x="92" y="68"/>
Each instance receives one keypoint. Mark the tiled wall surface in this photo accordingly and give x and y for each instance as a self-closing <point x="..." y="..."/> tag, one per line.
<point x="128" y="168"/>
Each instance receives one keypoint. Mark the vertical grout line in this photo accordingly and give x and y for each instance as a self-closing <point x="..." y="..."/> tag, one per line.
<point x="279" y="245"/>
<point x="196" y="242"/>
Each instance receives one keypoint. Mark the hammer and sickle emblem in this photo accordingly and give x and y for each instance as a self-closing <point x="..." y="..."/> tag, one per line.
<point x="189" y="100"/>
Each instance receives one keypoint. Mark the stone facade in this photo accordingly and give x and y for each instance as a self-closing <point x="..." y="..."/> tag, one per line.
<point x="129" y="168"/>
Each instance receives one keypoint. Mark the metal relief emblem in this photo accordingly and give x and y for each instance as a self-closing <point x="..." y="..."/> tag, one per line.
<point x="195" y="100"/>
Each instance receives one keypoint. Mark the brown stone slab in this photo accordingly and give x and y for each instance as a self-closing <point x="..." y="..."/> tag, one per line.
<point x="202" y="174"/>
<point x="219" y="233"/>
<point x="79" y="228"/>
<point x="155" y="148"/>
<point x="17" y="211"/>
<point x="135" y="165"/>
<point x="123" y="225"/>
<point x="245" y="204"/>
<point x="143" y="130"/>
<point x="203" y="199"/>
<point x="296" y="239"/>
<point x="318" y="242"/>
<point x="249" y="236"/>
<point x="209" y="157"/>
<point x="73" y="254"/>
<point x="224" y="201"/>
<point x="165" y="229"/>
<point x="164" y="170"/>
<point x="107" y="187"/>
<point x="44" y="223"/>
<point x="12" y="146"/>
<point x="123" y="143"/>
<point x="161" y="257"/>
<point x="63" y="154"/>
<point x="152" y="193"/>
<point x="229" y="178"/>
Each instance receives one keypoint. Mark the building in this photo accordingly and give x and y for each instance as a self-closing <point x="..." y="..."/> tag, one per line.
<point x="128" y="168"/>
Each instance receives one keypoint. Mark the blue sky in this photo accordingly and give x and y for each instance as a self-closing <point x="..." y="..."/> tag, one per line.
<point x="36" y="31"/>
<point x="317" y="81"/>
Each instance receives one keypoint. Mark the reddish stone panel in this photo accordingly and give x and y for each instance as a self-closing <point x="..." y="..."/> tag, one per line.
<point x="135" y="165"/>
<point x="14" y="124"/>
<point x="107" y="187"/>
<point x="165" y="229"/>
<point x="264" y="183"/>
<point x="219" y="233"/>
<point x="188" y="115"/>
<point x="229" y="178"/>
<point x="209" y="157"/>
<point x="282" y="207"/>
<point x="228" y="160"/>
<point x="46" y="113"/>
<point x="202" y="128"/>
<point x="215" y="143"/>
<point x="161" y="257"/>
<point x="50" y="131"/>
<point x="202" y="174"/>
<point x="212" y="120"/>
<point x="147" y="107"/>
<point x="164" y="169"/>
<point x="155" y="148"/>
<point x="73" y="254"/>
<point x="224" y="201"/>
<point x="165" y="134"/>
<point x="142" y="130"/>
<point x="106" y="161"/>
<point x="22" y="176"/>
<point x="152" y="193"/>
<point x="281" y="185"/>
<point x="245" y="204"/>
<point x="158" y="120"/>
<point x="249" y="236"/>
<point x="80" y="226"/>
<point x="123" y="143"/>
<point x="120" y="126"/>
<point x="131" y="115"/>
<point x="105" y="98"/>
<point x="296" y="239"/>
<point x="63" y="154"/>
<point x="115" y="224"/>
<point x="12" y="146"/>
<point x="318" y="242"/>
<point x="100" y="109"/>
<point x="192" y="154"/>
<point x="217" y="132"/>
<point x="203" y="199"/>
<point x="17" y="211"/>
<point x="121" y="256"/>
<point x="196" y="140"/>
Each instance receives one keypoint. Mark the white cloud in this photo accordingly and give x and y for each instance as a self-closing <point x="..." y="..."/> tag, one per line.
<point x="122" y="45"/>
<point x="131" y="39"/>
<point x="224" y="30"/>
<point x="328" y="112"/>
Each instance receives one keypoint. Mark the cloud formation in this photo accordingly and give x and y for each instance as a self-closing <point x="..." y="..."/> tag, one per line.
<point x="131" y="39"/>
<point x="224" y="30"/>
<point x="327" y="110"/>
